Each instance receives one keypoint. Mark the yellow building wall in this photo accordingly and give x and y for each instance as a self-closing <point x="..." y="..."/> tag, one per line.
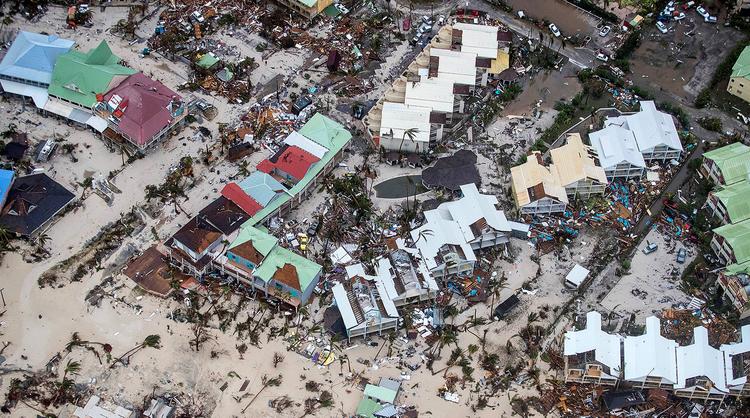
<point x="740" y="87"/>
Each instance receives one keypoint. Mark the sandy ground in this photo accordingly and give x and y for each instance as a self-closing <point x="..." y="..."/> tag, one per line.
<point x="653" y="283"/>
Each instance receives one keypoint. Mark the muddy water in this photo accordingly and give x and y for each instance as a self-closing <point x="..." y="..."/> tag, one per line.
<point x="549" y="87"/>
<point x="568" y="18"/>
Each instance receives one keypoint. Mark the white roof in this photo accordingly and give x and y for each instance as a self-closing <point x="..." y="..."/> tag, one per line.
<point x="345" y="308"/>
<point x="577" y="275"/>
<point x="390" y="307"/>
<point x="615" y="144"/>
<point x="459" y="67"/>
<point x="650" y="354"/>
<point x="38" y="94"/>
<point x="398" y="117"/>
<point x="451" y="223"/>
<point x="432" y="93"/>
<point x="734" y="349"/>
<point x="700" y="359"/>
<point x="295" y="138"/>
<point x="479" y="39"/>
<point x="606" y="346"/>
<point x="650" y="127"/>
<point x="340" y="256"/>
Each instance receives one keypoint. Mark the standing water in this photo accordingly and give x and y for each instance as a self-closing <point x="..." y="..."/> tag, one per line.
<point x="568" y="18"/>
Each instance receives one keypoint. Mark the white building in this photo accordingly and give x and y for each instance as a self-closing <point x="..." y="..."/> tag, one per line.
<point x="650" y="359"/>
<point x="365" y="308"/>
<point x="592" y="355"/>
<point x="618" y="152"/>
<point x="435" y="94"/>
<point x="452" y="232"/>
<point x="700" y="369"/>
<point x="737" y="364"/>
<point x="456" y="66"/>
<point x="655" y="132"/>
<point x="398" y="119"/>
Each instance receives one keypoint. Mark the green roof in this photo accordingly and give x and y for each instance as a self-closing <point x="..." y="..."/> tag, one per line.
<point x="738" y="237"/>
<point x="278" y="257"/>
<point x="734" y="269"/>
<point x="78" y="77"/>
<point x="367" y="408"/>
<point x="741" y="67"/>
<point x="380" y="393"/>
<point x="322" y="131"/>
<point x="732" y="160"/>
<point x="736" y="199"/>
<point x="262" y="241"/>
<point x="207" y="61"/>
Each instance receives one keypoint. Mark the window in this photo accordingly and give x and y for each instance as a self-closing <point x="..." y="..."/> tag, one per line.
<point x="279" y="286"/>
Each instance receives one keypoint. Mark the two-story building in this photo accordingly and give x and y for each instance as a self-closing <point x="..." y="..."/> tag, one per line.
<point x="731" y="243"/>
<point x="536" y="188"/>
<point x="700" y="369"/>
<point x="730" y="204"/>
<point x="618" y="152"/>
<point x="739" y="80"/>
<point x="655" y="132"/>
<point x="364" y="308"/>
<point x="306" y="8"/>
<point x="727" y="165"/>
<point x="447" y="241"/>
<point x="141" y="111"/>
<point x="650" y="359"/>
<point x="592" y="355"/>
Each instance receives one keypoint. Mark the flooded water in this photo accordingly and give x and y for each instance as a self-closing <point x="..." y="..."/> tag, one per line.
<point x="550" y="87"/>
<point x="399" y="187"/>
<point x="568" y="18"/>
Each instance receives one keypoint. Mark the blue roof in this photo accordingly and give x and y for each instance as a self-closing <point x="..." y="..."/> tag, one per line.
<point x="32" y="56"/>
<point x="6" y="181"/>
<point x="261" y="187"/>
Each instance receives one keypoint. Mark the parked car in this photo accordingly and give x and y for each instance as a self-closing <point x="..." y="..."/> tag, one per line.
<point x="197" y="16"/>
<point x="678" y="16"/>
<point x="341" y="8"/>
<point x="427" y="20"/>
<point x="426" y="28"/>
<point x="702" y="11"/>
<point x="681" y="255"/>
<point x="601" y="56"/>
<point x="301" y="104"/>
<point x="312" y="230"/>
<point x="415" y="39"/>
<point x="662" y="27"/>
<point x="605" y="31"/>
<point x="710" y="19"/>
<point x="650" y="247"/>
<point x="441" y="20"/>
<point x="554" y="30"/>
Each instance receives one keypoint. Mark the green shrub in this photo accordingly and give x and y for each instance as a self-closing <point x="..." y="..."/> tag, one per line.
<point x="711" y="124"/>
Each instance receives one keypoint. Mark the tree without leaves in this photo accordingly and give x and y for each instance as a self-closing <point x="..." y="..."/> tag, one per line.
<point x="151" y="341"/>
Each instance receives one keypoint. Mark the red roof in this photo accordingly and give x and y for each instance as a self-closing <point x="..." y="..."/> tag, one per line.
<point x="233" y="192"/>
<point x="294" y="161"/>
<point x="147" y="104"/>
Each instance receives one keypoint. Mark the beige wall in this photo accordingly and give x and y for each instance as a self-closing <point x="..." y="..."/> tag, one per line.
<point x="740" y="87"/>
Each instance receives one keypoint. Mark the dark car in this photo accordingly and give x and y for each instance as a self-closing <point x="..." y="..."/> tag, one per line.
<point x="312" y="230"/>
<point x="301" y="104"/>
<point x="358" y="111"/>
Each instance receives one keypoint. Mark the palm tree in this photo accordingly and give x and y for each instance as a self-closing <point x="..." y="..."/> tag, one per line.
<point x="41" y="242"/>
<point x="496" y="286"/>
<point x="152" y="341"/>
<point x="266" y="381"/>
<point x="410" y="133"/>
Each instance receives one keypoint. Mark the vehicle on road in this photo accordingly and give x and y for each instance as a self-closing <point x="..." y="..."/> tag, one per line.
<point x="605" y="31"/>
<point x="681" y="255"/>
<point x="554" y="30"/>
<point x="662" y="27"/>
<point x="441" y="20"/>
<point x="312" y="230"/>
<point x="650" y="247"/>
<point x="702" y="11"/>
<point x="427" y="20"/>
<point x="601" y="56"/>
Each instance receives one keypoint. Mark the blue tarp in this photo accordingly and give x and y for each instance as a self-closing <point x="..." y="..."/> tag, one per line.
<point x="6" y="181"/>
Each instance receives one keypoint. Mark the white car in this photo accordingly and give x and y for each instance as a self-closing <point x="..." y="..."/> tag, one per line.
<point x="661" y="26"/>
<point x="341" y="8"/>
<point x="605" y="31"/>
<point x="602" y="57"/>
<point x="710" y="19"/>
<point x="554" y="30"/>
<point x="701" y="11"/>
<point x="679" y="16"/>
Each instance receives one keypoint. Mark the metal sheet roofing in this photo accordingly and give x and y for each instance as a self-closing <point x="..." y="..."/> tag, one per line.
<point x="279" y="257"/>
<point x="650" y="354"/>
<point x="741" y="67"/>
<point x="700" y="359"/>
<point x="478" y="39"/>
<point x="734" y="349"/>
<point x="651" y="128"/>
<point x="736" y="199"/>
<point x="574" y="162"/>
<point x="532" y="173"/>
<point x="606" y="347"/>
<point x="344" y="306"/>
<point x="262" y="241"/>
<point x="398" y="118"/>
<point x="733" y="161"/>
<point x="32" y="56"/>
<point x="614" y="145"/>
<point x="38" y="94"/>
<point x="432" y="93"/>
<point x="738" y="237"/>
<point x="78" y="77"/>
<point x="261" y="187"/>
<point x="150" y="107"/>
<point x="296" y="139"/>
<point x="456" y="66"/>
<point x="6" y="181"/>
<point x="380" y="393"/>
